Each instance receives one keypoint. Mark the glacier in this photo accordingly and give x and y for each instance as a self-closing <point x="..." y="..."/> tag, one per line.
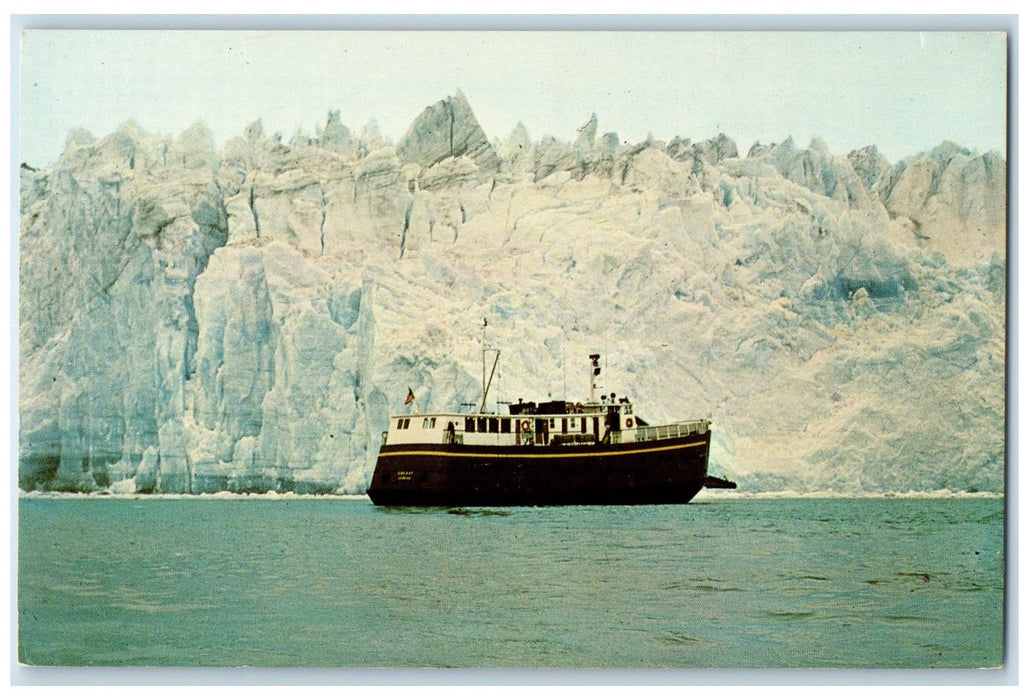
<point x="196" y="319"/>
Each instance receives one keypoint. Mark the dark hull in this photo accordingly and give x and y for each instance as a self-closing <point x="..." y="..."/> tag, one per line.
<point x="665" y="471"/>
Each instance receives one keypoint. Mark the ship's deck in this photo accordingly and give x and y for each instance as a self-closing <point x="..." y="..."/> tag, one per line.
<point x="613" y="425"/>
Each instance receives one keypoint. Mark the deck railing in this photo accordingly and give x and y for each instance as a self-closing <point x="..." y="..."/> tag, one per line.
<point x="672" y="430"/>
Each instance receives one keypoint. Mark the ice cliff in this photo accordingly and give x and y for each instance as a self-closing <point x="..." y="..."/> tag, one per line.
<point x="246" y="319"/>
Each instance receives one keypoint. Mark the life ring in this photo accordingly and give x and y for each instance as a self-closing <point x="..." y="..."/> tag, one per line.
<point x="628" y="422"/>
<point x="525" y="426"/>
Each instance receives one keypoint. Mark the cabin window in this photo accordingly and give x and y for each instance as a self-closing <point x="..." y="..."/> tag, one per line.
<point x="494" y="425"/>
<point x="551" y="422"/>
<point x="469" y="425"/>
<point x="505" y="425"/>
<point x="403" y="423"/>
<point x="428" y="423"/>
<point x="564" y="425"/>
<point x="480" y="424"/>
<point x="582" y="425"/>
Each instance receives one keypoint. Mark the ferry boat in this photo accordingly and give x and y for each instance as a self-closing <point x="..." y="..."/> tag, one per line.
<point x="598" y="452"/>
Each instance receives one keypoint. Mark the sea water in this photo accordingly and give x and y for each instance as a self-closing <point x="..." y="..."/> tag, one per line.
<point x="719" y="583"/>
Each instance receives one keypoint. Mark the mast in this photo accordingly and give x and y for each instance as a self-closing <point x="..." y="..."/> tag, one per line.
<point x="594" y="373"/>
<point x="486" y="384"/>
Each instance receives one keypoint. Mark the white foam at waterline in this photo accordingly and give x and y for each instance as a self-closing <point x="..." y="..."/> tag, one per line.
<point x="221" y="495"/>
<point x="705" y="495"/>
<point x="744" y="495"/>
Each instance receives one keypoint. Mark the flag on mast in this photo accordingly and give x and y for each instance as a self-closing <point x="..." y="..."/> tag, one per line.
<point x="410" y="396"/>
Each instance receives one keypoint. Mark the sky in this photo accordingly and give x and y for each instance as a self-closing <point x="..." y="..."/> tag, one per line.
<point x="903" y="91"/>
